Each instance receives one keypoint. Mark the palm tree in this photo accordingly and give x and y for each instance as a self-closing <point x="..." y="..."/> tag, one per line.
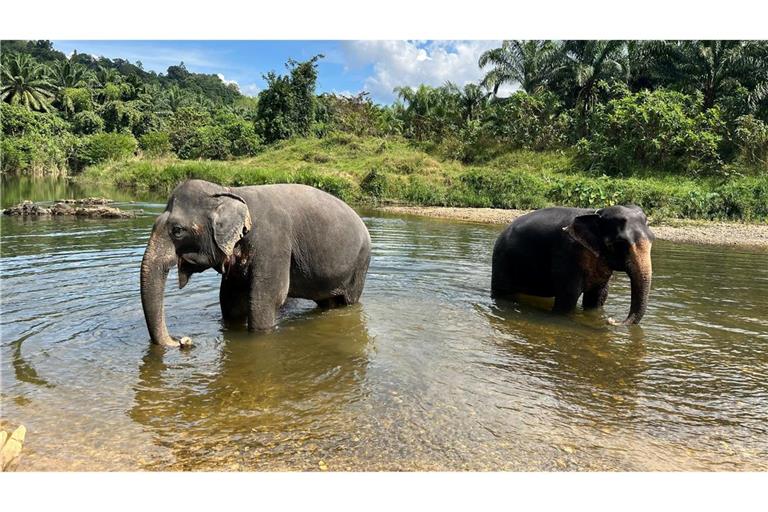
<point x="24" y="82"/>
<point x="589" y="62"/>
<point x="104" y="76"/>
<point x="711" y="67"/>
<point x="471" y="99"/>
<point x="70" y="74"/>
<point x="528" y="63"/>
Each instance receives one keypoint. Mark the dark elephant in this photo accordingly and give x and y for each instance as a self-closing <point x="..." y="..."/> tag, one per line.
<point x="566" y="252"/>
<point x="268" y="242"/>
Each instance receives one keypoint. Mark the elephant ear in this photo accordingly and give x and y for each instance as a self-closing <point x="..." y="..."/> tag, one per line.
<point x="231" y="220"/>
<point x="585" y="229"/>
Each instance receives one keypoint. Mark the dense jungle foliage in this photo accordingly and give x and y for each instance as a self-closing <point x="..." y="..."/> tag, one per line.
<point x="675" y="113"/>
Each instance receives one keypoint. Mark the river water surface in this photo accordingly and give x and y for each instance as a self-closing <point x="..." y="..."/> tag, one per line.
<point x="426" y="373"/>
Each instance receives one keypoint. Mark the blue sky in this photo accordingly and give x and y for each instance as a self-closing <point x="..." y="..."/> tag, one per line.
<point x="348" y="67"/>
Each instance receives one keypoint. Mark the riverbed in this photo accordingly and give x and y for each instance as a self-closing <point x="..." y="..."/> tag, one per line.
<point x="426" y="373"/>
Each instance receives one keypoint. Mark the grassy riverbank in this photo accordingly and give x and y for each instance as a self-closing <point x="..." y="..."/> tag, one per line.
<point x="369" y="170"/>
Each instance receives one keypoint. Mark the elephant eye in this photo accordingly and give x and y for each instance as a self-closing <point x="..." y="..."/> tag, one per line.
<point x="177" y="231"/>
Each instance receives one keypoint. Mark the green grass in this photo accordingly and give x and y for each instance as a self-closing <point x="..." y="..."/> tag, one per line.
<point x="375" y="171"/>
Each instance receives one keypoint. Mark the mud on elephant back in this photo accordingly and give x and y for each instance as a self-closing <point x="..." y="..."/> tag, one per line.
<point x="268" y="242"/>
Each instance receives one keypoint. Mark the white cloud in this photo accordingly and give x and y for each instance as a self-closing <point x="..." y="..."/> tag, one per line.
<point x="247" y="89"/>
<point x="411" y="63"/>
<point x="250" y="89"/>
<point x="227" y="82"/>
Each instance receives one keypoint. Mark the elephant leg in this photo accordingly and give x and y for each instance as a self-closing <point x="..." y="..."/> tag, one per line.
<point x="595" y="298"/>
<point x="334" y="302"/>
<point x="566" y="300"/>
<point x="268" y="292"/>
<point x="233" y="298"/>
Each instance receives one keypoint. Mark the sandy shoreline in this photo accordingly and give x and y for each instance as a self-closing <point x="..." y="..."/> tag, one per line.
<point x="689" y="231"/>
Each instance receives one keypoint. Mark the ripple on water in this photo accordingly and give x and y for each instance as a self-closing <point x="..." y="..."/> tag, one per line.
<point x="426" y="373"/>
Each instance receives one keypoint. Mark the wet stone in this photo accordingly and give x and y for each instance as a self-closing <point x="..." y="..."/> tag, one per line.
<point x="92" y="207"/>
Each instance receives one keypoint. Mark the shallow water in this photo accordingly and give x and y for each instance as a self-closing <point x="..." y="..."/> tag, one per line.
<point x="427" y="372"/>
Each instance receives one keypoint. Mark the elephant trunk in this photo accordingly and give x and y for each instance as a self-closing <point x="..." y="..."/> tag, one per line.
<point x="158" y="259"/>
<point x="640" y="271"/>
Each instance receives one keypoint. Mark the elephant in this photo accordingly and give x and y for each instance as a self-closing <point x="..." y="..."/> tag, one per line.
<point x="566" y="252"/>
<point x="268" y="242"/>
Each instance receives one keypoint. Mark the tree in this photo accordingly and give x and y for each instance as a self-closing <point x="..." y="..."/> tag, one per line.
<point x="66" y="73"/>
<point x="528" y="63"/>
<point x="429" y="112"/>
<point x="287" y="107"/>
<point x="713" y="67"/>
<point x="587" y="63"/>
<point x="25" y="83"/>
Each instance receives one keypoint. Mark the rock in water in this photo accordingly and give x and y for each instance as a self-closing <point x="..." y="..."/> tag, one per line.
<point x="10" y="449"/>
<point x="93" y="207"/>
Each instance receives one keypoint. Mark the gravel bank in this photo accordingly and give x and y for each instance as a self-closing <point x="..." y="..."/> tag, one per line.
<point x="689" y="231"/>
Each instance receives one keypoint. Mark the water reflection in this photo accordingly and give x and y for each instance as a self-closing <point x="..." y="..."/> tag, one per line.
<point x="593" y="369"/>
<point x="255" y="395"/>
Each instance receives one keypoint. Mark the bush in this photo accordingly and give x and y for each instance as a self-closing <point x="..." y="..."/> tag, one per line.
<point x="230" y="136"/>
<point x="103" y="147"/>
<point x="751" y="138"/>
<point x="155" y="143"/>
<point x="374" y="183"/>
<point x="660" y="129"/>
<point x="75" y="100"/>
<point x="528" y="121"/>
<point x="35" y="153"/>
<point x="33" y="141"/>
<point x="18" y="120"/>
<point x="87" y="123"/>
<point x="183" y="124"/>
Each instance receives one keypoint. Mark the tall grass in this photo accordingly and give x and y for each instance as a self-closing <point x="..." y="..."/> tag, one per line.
<point x="373" y="171"/>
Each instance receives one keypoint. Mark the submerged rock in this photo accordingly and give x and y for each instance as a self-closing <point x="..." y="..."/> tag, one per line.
<point x="94" y="207"/>
<point x="10" y="448"/>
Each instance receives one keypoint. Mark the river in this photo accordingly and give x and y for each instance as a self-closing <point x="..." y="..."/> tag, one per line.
<point x="426" y="373"/>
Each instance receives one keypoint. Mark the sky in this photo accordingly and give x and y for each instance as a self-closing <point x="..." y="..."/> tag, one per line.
<point x="348" y="67"/>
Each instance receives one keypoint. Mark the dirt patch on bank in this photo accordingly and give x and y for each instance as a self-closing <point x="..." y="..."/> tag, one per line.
<point x="688" y="231"/>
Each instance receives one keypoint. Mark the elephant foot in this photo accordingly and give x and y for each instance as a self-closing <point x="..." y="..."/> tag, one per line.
<point x="183" y="342"/>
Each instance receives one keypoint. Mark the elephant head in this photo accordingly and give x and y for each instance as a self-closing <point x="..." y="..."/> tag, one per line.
<point x="620" y="238"/>
<point x="198" y="230"/>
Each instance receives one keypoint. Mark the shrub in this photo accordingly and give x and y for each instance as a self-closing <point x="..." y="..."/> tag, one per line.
<point x="103" y="147"/>
<point x="751" y="138"/>
<point x="87" y="123"/>
<point x="18" y="120"/>
<point x="75" y="100"/>
<point x="35" y="153"/>
<point x="374" y="183"/>
<point x="33" y="141"/>
<point x="660" y="129"/>
<point x="206" y="142"/>
<point x="155" y="143"/>
<point x="528" y="121"/>
<point x="183" y="124"/>
<point x="243" y="140"/>
<point x="229" y="136"/>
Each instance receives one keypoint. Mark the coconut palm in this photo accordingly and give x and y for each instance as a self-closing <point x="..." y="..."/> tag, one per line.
<point x="531" y="64"/>
<point x="589" y="62"/>
<point x="25" y="82"/>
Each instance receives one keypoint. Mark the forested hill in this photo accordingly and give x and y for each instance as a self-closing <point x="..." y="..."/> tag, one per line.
<point x="693" y="110"/>
<point x="68" y="72"/>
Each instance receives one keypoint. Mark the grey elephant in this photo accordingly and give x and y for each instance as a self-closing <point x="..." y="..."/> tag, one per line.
<point x="268" y="242"/>
<point x="566" y="252"/>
